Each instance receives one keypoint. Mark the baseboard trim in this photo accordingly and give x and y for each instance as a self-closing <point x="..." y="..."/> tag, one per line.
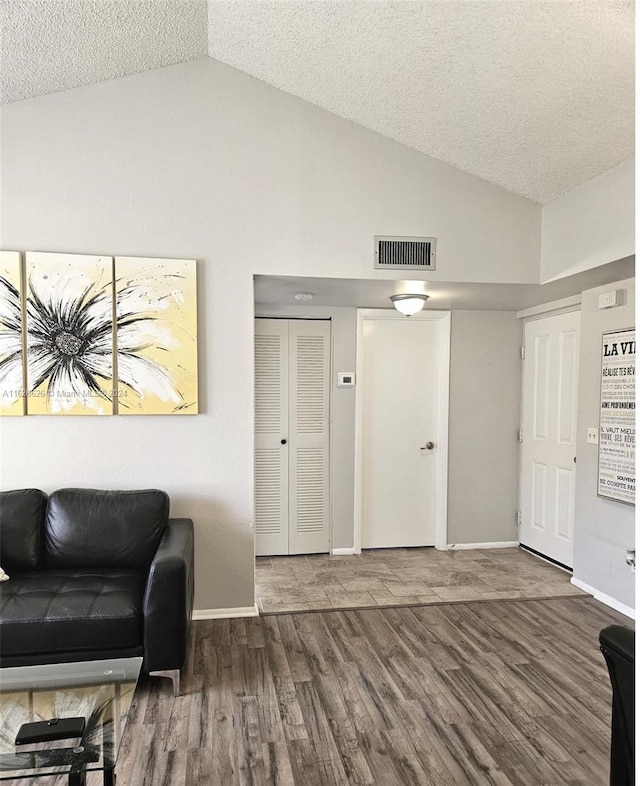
<point x="499" y="544"/>
<point x="225" y="614"/>
<point x="606" y="599"/>
<point x="343" y="551"/>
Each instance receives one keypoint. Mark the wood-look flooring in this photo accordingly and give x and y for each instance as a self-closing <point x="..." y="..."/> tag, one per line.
<point x="502" y="692"/>
<point x="392" y="577"/>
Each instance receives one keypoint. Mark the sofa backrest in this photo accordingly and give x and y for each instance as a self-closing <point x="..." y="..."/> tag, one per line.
<point x="88" y="528"/>
<point x="21" y="519"/>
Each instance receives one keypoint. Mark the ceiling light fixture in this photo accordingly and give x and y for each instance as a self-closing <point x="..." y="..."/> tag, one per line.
<point x="303" y="296"/>
<point x="409" y="304"/>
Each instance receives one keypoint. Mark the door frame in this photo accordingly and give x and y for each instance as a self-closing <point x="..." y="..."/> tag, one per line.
<point x="442" y="436"/>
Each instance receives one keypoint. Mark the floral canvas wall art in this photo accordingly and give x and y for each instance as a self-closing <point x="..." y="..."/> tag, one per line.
<point x="90" y="335"/>
<point x="12" y="399"/>
<point x="69" y="323"/>
<point x="156" y="336"/>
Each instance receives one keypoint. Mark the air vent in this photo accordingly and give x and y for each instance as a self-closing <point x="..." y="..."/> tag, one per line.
<point x="405" y="253"/>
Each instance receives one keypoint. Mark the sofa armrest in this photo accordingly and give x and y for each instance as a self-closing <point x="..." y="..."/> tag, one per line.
<point x="168" y="599"/>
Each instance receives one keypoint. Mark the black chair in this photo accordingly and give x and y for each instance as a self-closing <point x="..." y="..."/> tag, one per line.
<point x="618" y="646"/>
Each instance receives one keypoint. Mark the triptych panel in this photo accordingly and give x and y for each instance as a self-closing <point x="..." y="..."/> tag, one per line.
<point x="69" y="334"/>
<point x="156" y="332"/>
<point x="12" y="383"/>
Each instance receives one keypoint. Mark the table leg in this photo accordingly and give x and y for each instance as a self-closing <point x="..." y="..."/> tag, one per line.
<point x="108" y="749"/>
<point x="79" y="778"/>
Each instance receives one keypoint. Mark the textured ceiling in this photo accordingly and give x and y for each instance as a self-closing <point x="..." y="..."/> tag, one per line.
<point x="536" y="96"/>
<point x="51" y="45"/>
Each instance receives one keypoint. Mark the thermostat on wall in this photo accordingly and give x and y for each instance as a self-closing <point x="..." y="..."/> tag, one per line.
<point x="346" y="379"/>
<point x="610" y="299"/>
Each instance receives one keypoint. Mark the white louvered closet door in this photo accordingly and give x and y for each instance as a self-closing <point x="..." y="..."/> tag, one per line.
<point x="292" y="404"/>
<point x="309" y="353"/>
<point x="271" y="470"/>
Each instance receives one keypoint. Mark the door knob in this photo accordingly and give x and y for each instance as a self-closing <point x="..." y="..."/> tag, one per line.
<point x="283" y="441"/>
<point x="428" y="446"/>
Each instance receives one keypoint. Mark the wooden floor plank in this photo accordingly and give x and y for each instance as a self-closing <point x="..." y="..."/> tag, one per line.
<point x="491" y="693"/>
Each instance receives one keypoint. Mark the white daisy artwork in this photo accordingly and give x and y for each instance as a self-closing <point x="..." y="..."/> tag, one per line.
<point x="69" y="323"/>
<point x="12" y="399"/>
<point x="156" y="339"/>
<point x="102" y="336"/>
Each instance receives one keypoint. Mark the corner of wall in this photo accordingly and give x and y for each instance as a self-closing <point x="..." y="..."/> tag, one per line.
<point x="604" y="528"/>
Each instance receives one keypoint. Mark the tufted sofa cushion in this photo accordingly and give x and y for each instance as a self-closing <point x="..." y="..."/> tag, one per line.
<point x="105" y="529"/>
<point x="21" y="519"/>
<point x="83" y="610"/>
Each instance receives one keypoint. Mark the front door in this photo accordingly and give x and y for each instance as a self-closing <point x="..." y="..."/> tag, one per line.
<point x="549" y="420"/>
<point x="401" y="428"/>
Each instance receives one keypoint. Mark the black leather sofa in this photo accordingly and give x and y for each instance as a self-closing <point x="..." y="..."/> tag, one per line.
<point x="617" y="643"/>
<point x="95" y="575"/>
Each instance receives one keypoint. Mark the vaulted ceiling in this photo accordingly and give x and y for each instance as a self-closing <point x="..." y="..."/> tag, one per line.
<point x="536" y="96"/>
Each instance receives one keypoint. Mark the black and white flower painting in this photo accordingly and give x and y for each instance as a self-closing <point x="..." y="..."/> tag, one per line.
<point x="85" y="350"/>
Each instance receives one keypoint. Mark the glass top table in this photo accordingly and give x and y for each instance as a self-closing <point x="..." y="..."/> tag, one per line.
<point x="100" y="691"/>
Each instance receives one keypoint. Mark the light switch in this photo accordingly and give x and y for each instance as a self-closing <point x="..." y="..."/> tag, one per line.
<point x="592" y="436"/>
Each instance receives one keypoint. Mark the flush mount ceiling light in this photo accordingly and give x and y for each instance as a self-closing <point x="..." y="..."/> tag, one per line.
<point x="409" y="304"/>
<point x="303" y="296"/>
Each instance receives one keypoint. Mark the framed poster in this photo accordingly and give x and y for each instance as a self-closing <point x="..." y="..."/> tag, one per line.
<point x="617" y="445"/>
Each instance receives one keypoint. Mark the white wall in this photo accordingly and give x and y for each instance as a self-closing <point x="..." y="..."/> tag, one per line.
<point x="591" y="225"/>
<point x="604" y="529"/>
<point x="201" y="161"/>
<point x="484" y="403"/>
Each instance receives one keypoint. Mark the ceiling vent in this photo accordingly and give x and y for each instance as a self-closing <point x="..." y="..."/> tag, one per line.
<point x="405" y="253"/>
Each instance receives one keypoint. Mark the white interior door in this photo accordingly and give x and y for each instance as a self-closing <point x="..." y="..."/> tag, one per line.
<point x="549" y="420"/>
<point x="401" y="429"/>
<point x="309" y="374"/>
<point x="271" y="457"/>
<point x="292" y="389"/>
